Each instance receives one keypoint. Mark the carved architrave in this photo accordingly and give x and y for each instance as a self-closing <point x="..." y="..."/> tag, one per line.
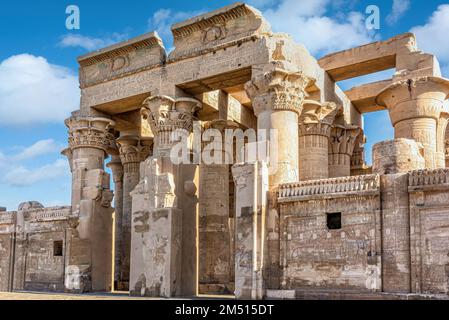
<point x="278" y="90"/>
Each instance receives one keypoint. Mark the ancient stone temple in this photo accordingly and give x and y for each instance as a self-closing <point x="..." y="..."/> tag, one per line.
<point x="310" y="219"/>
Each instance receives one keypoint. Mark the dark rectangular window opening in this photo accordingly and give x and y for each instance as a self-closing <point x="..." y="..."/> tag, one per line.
<point x="58" y="248"/>
<point x="334" y="221"/>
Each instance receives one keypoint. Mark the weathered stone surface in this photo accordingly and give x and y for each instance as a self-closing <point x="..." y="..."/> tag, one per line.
<point x="308" y="221"/>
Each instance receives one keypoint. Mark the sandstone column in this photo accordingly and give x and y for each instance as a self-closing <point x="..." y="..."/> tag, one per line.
<point x="89" y="263"/>
<point x="214" y="204"/>
<point x="277" y="98"/>
<point x="133" y="150"/>
<point x="341" y="148"/>
<point x="358" y="163"/>
<point x="447" y="153"/>
<point x="164" y="239"/>
<point x="251" y="183"/>
<point x="314" y="132"/>
<point x="415" y="107"/>
<point x="117" y="172"/>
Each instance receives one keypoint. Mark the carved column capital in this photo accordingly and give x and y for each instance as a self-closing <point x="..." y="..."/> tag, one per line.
<point x="278" y="90"/>
<point x="116" y="167"/>
<point x="134" y="150"/>
<point x="166" y="115"/>
<point x="87" y="132"/>
<point x="414" y="98"/>
<point x="317" y="118"/>
<point x="343" y="139"/>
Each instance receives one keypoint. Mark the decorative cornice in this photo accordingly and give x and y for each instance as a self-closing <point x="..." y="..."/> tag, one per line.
<point x="85" y="132"/>
<point x="184" y="29"/>
<point x="48" y="214"/>
<point x="148" y="40"/>
<point x="428" y="179"/>
<point x="367" y="184"/>
<point x="278" y="90"/>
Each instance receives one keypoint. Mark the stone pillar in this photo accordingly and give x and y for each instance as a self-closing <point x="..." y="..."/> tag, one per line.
<point x="442" y="126"/>
<point x="89" y="247"/>
<point x="133" y="150"/>
<point x="214" y="204"/>
<point x="358" y="162"/>
<point x="341" y="148"/>
<point x="164" y="236"/>
<point x="314" y="132"/>
<point x="277" y="98"/>
<point x="447" y="153"/>
<point x="117" y="172"/>
<point x="251" y="182"/>
<point x="415" y="108"/>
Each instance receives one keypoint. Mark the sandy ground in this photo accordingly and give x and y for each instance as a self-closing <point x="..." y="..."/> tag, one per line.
<point x="100" y="296"/>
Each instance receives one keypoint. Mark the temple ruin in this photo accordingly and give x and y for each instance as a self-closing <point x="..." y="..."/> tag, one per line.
<point x="323" y="224"/>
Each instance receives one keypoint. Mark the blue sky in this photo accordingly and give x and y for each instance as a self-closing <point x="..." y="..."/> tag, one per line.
<point x="38" y="69"/>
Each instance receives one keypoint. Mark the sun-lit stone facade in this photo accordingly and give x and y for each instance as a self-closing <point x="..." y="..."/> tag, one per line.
<point x="310" y="218"/>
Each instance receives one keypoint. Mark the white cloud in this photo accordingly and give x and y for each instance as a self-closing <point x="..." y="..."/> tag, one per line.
<point x="433" y="36"/>
<point x="400" y="7"/>
<point x="33" y="91"/>
<point x="89" y="43"/>
<point x="21" y="176"/>
<point x="308" y="24"/>
<point x="14" y="173"/>
<point x="41" y="147"/>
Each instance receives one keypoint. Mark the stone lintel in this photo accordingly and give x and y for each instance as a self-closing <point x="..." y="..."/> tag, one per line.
<point x="366" y="59"/>
<point x="364" y="97"/>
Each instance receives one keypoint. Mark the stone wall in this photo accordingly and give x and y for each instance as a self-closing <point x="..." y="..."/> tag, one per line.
<point x="393" y="236"/>
<point x="315" y="254"/>
<point x="33" y="243"/>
